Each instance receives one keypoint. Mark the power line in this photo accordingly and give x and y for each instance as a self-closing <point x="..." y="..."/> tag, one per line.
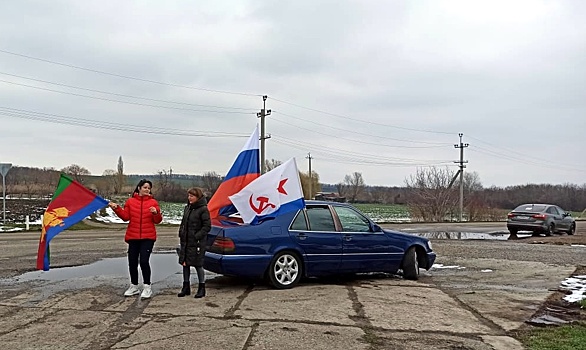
<point x="120" y="101"/>
<point x="359" y="120"/>
<point x="121" y="95"/>
<point x="126" y="76"/>
<point x="355" y="156"/>
<point x="488" y="152"/>
<point x="525" y="156"/>
<point x="59" y="119"/>
<point x="437" y="144"/>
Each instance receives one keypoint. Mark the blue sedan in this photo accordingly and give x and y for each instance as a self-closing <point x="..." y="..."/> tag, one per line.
<point x="325" y="238"/>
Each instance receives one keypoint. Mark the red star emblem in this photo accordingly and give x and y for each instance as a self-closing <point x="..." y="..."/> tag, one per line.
<point x="281" y="184"/>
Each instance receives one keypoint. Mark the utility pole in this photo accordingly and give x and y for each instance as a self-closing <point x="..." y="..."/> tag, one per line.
<point x="461" y="146"/>
<point x="262" y="114"/>
<point x="309" y="157"/>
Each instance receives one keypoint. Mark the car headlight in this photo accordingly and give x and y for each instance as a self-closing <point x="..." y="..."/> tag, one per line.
<point x="429" y="245"/>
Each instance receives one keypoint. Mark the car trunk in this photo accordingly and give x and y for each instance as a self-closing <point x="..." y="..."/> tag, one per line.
<point x="526" y="216"/>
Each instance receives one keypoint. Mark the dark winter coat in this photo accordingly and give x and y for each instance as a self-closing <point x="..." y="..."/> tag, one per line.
<point x="193" y="231"/>
<point x="141" y="222"/>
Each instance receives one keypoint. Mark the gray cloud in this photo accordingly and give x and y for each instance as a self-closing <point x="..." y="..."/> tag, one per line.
<point x="510" y="76"/>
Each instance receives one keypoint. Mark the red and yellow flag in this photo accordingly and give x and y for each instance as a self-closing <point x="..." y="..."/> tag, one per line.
<point x="71" y="203"/>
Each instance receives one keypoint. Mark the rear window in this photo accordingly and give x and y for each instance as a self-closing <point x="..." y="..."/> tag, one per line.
<point x="532" y="208"/>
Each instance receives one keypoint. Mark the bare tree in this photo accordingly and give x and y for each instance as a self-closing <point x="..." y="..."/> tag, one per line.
<point x="103" y="186"/>
<point x="109" y="177"/>
<point x="271" y="164"/>
<point x="474" y="202"/>
<point x="211" y="181"/>
<point x="315" y="185"/>
<point x="120" y="177"/>
<point x="76" y="171"/>
<point x="342" y="189"/>
<point x="355" y="185"/>
<point x="431" y="198"/>
<point x="166" y="190"/>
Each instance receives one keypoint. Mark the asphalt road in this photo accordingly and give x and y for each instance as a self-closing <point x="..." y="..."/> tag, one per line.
<point x="491" y="288"/>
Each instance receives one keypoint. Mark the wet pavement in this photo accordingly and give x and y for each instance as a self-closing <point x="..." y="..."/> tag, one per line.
<point x="498" y="236"/>
<point x="367" y="312"/>
<point x="473" y="302"/>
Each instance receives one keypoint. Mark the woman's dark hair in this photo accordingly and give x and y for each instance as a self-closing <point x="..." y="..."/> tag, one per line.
<point x="196" y="191"/>
<point x="141" y="183"/>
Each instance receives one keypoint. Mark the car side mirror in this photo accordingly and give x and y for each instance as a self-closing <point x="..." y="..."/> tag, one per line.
<point x="567" y="213"/>
<point x="376" y="228"/>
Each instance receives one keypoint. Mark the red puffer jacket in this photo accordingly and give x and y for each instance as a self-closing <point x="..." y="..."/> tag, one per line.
<point x="142" y="222"/>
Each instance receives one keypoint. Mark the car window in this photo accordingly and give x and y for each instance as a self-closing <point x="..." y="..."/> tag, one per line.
<point x="560" y="210"/>
<point x="320" y="219"/>
<point x="552" y="210"/>
<point x="299" y="223"/>
<point x="351" y="220"/>
<point x="532" y="208"/>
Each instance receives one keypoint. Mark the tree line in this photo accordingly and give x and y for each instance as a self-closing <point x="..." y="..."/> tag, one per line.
<point x="430" y="193"/>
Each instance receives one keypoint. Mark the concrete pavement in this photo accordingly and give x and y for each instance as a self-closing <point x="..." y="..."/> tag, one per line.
<point x="369" y="312"/>
<point x="477" y="304"/>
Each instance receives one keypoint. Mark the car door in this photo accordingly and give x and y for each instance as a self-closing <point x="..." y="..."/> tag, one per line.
<point x="566" y="220"/>
<point x="315" y="231"/>
<point x="363" y="249"/>
<point x="556" y="217"/>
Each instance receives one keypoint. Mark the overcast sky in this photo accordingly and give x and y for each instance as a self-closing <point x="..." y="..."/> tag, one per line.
<point x="377" y="87"/>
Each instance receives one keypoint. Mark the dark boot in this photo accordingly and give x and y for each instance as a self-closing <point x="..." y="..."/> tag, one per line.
<point x="201" y="291"/>
<point x="186" y="290"/>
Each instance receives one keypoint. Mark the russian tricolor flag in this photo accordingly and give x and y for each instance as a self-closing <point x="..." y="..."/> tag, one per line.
<point x="245" y="169"/>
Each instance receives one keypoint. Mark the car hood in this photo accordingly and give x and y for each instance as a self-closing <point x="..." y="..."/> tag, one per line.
<point x="406" y="237"/>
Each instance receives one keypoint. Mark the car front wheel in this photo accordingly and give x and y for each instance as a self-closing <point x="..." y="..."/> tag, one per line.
<point x="411" y="264"/>
<point x="572" y="229"/>
<point x="285" y="270"/>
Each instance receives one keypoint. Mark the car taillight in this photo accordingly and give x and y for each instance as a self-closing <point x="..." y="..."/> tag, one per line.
<point x="539" y="216"/>
<point x="510" y="215"/>
<point x="223" y="245"/>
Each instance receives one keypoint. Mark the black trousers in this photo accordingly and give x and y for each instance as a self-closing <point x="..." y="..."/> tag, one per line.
<point x="139" y="251"/>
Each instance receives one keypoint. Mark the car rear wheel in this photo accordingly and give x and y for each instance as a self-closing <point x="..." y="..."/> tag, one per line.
<point x="550" y="229"/>
<point x="572" y="229"/>
<point x="285" y="270"/>
<point x="411" y="264"/>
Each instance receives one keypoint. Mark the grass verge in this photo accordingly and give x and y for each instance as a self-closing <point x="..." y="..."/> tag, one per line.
<point x="568" y="337"/>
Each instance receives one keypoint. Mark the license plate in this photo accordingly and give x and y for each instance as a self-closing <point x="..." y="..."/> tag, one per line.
<point x="521" y="217"/>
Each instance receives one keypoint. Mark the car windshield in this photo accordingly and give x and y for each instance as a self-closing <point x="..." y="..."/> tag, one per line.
<point x="533" y="208"/>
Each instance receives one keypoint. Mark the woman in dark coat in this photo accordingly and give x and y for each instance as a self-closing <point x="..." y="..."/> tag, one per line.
<point x="193" y="231"/>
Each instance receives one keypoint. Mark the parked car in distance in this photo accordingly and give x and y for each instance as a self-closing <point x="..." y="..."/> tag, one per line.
<point x="324" y="238"/>
<point x="540" y="218"/>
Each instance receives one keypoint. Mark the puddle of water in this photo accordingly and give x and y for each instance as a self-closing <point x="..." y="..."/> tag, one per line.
<point x="502" y="236"/>
<point x="163" y="266"/>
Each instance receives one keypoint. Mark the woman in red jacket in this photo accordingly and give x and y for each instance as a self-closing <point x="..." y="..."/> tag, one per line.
<point x="142" y="212"/>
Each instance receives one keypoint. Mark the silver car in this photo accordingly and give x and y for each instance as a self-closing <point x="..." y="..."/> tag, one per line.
<point x="540" y="218"/>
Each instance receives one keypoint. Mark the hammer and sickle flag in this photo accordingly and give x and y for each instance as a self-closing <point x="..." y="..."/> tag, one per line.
<point x="274" y="193"/>
<point x="71" y="203"/>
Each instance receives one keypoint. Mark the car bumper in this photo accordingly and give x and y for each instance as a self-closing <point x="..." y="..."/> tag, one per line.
<point x="430" y="259"/>
<point x="251" y="266"/>
<point x="538" y="226"/>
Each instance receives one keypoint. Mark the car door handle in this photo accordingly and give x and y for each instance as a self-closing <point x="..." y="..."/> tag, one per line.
<point x="347" y="238"/>
<point x="301" y="236"/>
